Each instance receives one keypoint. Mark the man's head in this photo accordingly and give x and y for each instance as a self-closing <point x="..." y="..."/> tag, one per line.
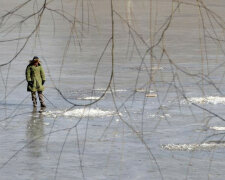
<point x="35" y="57"/>
<point x="35" y="60"/>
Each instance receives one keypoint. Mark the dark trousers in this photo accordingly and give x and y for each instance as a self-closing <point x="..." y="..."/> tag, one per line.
<point x="34" y="99"/>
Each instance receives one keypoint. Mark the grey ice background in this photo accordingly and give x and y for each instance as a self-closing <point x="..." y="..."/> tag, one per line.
<point x="116" y="153"/>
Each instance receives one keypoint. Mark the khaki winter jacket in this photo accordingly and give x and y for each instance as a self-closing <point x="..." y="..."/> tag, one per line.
<point x="36" y="75"/>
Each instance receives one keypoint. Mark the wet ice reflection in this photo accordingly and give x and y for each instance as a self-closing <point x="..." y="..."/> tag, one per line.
<point x="35" y="139"/>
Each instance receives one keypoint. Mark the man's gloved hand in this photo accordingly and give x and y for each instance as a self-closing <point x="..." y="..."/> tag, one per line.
<point x="43" y="81"/>
<point x="30" y="83"/>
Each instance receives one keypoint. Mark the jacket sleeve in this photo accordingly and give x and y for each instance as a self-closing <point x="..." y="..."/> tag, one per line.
<point x="28" y="78"/>
<point x="42" y="74"/>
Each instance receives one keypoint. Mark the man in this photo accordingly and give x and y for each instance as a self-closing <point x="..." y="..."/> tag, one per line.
<point x="35" y="77"/>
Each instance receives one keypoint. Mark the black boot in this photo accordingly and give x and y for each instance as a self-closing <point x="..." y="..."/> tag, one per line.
<point x="43" y="105"/>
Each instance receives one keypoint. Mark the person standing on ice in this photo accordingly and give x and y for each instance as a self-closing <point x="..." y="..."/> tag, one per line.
<point x="35" y="77"/>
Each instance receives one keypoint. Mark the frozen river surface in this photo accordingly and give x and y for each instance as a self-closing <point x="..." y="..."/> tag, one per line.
<point x="134" y="93"/>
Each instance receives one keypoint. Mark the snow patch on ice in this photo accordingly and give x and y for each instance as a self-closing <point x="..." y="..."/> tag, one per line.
<point x="143" y="90"/>
<point x="120" y="90"/>
<point x="157" y="68"/>
<point x="151" y="95"/>
<point x="89" y="98"/>
<point x="206" y="100"/>
<point x="81" y="113"/>
<point x="160" y="116"/>
<point x="117" y="90"/>
<point x="217" y="128"/>
<point x="193" y="147"/>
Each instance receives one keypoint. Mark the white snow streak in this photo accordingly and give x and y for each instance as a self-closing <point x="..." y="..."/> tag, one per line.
<point x="193" y="147"/>
<point x="81" y="113"/>
<point x="90" y="98"/>
<point x="217" y="128"/>
<point x="206" y="100"/>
